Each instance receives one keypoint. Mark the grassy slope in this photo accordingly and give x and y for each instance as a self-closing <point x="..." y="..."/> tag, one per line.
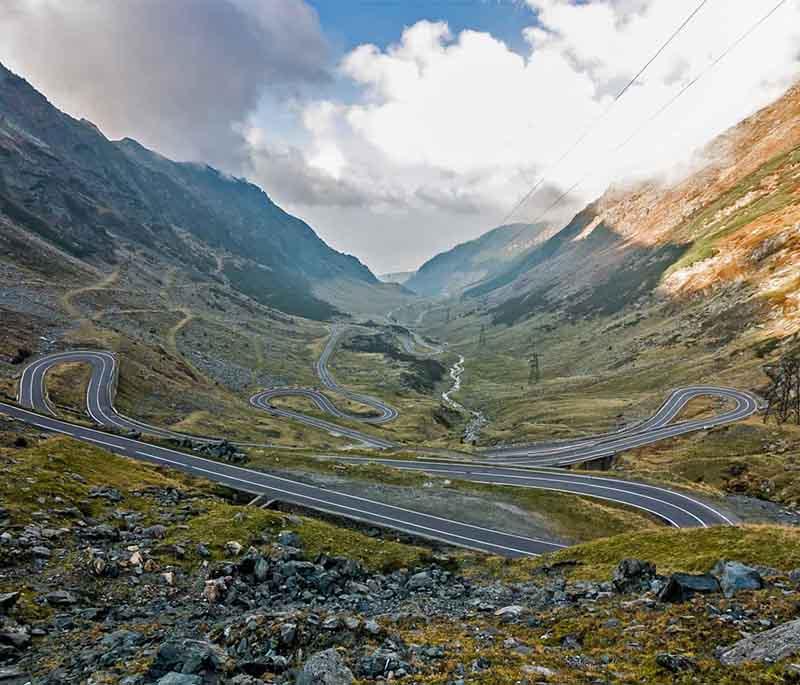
<point x="568" y="517"/>
<point x="66" y="469"/>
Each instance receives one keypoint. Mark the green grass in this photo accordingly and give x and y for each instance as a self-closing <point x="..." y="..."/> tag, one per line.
<point x="222" y="522"/>
<point x="60" y="472"/>
<point x="691" y="550"/>
<point x="707" y="232"/>
<point x="568" y="516"/>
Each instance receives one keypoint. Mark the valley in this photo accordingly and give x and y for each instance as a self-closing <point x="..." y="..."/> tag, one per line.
<point x="203" y="400"/>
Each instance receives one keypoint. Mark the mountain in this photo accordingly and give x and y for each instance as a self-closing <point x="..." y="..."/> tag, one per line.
<point x="63" y="182"/>
<point x="399" y="277"/>
<point x="450" y="272"/>
<point x="729" y="227"/>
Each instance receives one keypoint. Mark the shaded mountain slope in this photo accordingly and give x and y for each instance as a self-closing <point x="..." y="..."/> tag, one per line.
<point x="63" y="182"/>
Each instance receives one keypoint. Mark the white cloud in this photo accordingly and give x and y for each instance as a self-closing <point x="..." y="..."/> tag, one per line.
<point x="438" y="135"/>
<point x="448" y="122"/>
<point x="182" y="76"/>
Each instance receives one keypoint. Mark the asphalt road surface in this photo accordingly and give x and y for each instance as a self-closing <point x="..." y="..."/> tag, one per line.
<point x="507" y="466"/>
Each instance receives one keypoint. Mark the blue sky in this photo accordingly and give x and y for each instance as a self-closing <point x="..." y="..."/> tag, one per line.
<point x="394" y="155"/>
<point x="349" y="23"/>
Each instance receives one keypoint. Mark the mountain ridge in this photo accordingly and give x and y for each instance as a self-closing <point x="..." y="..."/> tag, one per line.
<point x="454" y="270"/>
<point x="65" y="182"/>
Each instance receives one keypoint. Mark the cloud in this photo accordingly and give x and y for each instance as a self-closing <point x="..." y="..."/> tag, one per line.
<point x="180" y="76"/>
<point x="416" y="145"/>
<point x="464" y="125"/>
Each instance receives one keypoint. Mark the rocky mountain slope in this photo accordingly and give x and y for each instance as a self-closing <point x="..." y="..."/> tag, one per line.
<point x="450" y="272"/>
<point x="730" y="224"/>
<point x="63" y="185"/>
<point x="154" y="577"/>
<point x="688" y="279"/>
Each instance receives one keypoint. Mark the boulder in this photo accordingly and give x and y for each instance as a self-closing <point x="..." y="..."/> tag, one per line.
<point x="215" y="590"/>
<point x="675" y="663"/>
<point x="420" y="581"/>
<point x="233" y="547"/>
<point x="180" y="679"/>
<point x="734" y="577"/>
<point x="325" y="668"/>
<point x="288" y="538"/>
<point x="633" y="575"/>
<point x="8" y="600"/>
<point x="682" y="586"/>
<point x="770" y="646"/>
<point x="510" y="613"/>
<point x="60" y="598"/>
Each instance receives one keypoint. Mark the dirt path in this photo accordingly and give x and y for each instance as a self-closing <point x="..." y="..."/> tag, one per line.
<point x="102" y="284"/>
<point x="172" y="333"/>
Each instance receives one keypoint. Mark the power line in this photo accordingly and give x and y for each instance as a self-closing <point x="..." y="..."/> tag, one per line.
<point x="669" y="102"/>
<point x="592" y="125"/>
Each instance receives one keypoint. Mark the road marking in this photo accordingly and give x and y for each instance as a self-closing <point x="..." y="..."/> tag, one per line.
<point x="103" y="442"/>
<point x="370" y="514"/>
<point x="658" y="426"/>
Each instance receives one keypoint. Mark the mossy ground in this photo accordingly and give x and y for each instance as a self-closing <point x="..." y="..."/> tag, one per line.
<point x="693" y="550"/>
<point x="59" y="472"/>
<point x="625" y="653"/>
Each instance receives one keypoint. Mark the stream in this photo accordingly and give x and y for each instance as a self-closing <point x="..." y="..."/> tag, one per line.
<point x="477" y="419"/>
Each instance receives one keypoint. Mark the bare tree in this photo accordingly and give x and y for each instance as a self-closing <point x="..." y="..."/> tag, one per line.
<point x="783" y="395"/>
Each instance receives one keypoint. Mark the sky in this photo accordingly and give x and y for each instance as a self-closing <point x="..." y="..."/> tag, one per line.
<point x="399" y="128"/>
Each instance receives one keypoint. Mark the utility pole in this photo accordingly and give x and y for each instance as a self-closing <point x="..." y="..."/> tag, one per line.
<point x="534" y="375"/>
<point x="534" y="372"/>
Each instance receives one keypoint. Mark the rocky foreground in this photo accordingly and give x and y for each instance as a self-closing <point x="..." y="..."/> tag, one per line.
<point x="152" y="579"/>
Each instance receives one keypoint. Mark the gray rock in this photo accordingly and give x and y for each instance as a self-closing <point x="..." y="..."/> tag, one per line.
<point x="288" y="538"/>
<point x="325" y="668"/>
<point x="13" y="675"/>
<point x="767" y="647"/>
<point x="420" y="581"/>
<point x="675" y="663"/>
<point x="8" y="600"/>
<point x="60" y="598"/>
<point x="261" y="569"/>
<point x="734" y="577"/>
<point x="682" y="586"/>
<point x="633" y="575"/>
<point x="180" y="679"/>
<point x="16" y="638"/>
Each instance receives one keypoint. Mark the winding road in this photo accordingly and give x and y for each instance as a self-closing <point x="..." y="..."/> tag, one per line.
<point x="531" y="466"/>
